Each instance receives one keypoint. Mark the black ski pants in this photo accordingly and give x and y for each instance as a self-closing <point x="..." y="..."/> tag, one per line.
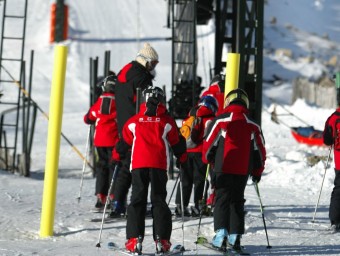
<point x="104" y="170"/>
<point x="334" y="208"/>
<point x="161" y="214"/>
<point x="123" y="181"/>
<point x="193" y="174"/>
<point x="229" y="206"/>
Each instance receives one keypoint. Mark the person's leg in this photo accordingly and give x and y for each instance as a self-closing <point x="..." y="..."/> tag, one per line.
<point x="162" y="222"/>
<point x="199" y="178"/>
<point x="136" y="210"/>
<point x="334" y="208"/>
<point x="222" y="209"/>
<point x="102" y="177"/>
<point x="121" y="189"/>
<point x="187" y="182"/>
<point x="237" y="211"/>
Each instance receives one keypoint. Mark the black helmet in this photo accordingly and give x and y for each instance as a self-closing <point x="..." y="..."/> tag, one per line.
<point x="237" y="96"/>
<point x="218" y="79"/>
<point x="154" y="93"/>
<point x="210" y="102"/>
<point x="109" y="83"/>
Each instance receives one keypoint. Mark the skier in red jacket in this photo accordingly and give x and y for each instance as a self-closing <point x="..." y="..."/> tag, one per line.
<point x="149" y="134"/>
<point x="235" y="145"/>
<point x="103" y="114"/>
<point x="216" y="89"/>
<point x="331" y="137"/>
<point x="194" y="171"/>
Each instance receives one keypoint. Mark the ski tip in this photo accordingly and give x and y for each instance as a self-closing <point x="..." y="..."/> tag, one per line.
<point x="98" y="245"/>
<point x="178" y="247"/>
<point x="201" y="240"/>
<point x="111" y="245"/>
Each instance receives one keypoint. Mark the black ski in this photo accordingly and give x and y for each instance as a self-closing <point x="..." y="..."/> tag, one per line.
<point x="178" y="249"/>
<point x="237" y="252"/>
<point x="106" y="220"/>
<point x="204" y="242"/>
<point x="223" y="250"/>
<point x="115" y="247"/>
<point x="175" y="250"/>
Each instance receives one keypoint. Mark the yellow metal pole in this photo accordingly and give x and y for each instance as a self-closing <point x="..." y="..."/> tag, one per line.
<point x="53" y="141"/>
<point x="232" y="72"/>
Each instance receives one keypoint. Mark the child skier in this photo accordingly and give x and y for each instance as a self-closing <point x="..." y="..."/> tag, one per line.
<point x="194" y="171"/>
<point x="331" y="137"/>
<point x="235" y="145"/>
<point x="149" y="135"/>
<point x="103" y="114"/>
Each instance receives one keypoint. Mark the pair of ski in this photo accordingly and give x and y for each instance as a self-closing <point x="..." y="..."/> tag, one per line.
<point x="175" y="250"/>
<point x="225" y="250"/>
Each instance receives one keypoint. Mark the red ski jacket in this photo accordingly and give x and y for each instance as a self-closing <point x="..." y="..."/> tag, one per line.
<point x="330" y="136"/>
<point x="103" y="114"/>
<point x="150" y="138"/>
<point x="234" y="143"/>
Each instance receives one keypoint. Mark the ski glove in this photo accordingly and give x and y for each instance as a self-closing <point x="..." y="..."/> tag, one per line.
<point x="87" y="119"/>
<point x="256" y="178"/>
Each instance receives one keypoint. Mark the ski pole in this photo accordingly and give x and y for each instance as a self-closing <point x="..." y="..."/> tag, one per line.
<point x="204" y="200"/>
<point x="262" y="212"/>
<point x="106" y="203"/>
<point x="182" y="203"/>
<point x="173" y="189"/>
<point x="323" y="179"/>
<point x="84" y="163"/>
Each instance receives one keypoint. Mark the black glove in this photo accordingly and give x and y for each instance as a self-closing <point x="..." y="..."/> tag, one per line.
<point x="181" y="160"/>
<point x="256" y="178"/>
<point x="88" y="120"/>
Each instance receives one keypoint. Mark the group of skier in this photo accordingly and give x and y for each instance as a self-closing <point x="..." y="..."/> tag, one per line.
<point x="137" y="140"/>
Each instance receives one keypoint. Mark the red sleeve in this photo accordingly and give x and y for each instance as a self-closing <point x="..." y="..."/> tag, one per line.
<point x="91" y="115"/>
<point x="173" y="135"/>
<point x="208" y="142"/>
<point x="129" y="130"/>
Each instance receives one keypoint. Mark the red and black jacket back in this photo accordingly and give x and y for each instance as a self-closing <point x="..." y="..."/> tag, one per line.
<point x="132" y="76"/>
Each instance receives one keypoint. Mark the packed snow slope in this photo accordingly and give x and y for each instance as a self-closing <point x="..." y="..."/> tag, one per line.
<point x="289" y="188"/>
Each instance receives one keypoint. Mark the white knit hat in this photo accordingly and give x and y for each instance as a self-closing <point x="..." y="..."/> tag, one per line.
<point x="146" y="54"/>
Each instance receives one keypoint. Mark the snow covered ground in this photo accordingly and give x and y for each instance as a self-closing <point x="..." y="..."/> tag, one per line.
<point x="289" y="188"/>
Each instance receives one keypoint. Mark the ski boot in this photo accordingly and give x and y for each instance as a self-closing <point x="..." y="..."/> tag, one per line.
<point x="234" y="242"/>
<point x="134" y="245"/>
<point x="117" y="210"/>
<point x="162" y="245"/>
<point x="335" y="228"/>
<point x="178" y="211"/>
<point x="195" y="212"/>
<point x="220" y="239"/>
<point x="100" y="204"/>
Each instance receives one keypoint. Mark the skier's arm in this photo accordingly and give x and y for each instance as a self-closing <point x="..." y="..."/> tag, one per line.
<point x="328" y="138"/>
<point x="210" y="143"/>
<point x="259" y="160"/>
<point x="90" y="117"/>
